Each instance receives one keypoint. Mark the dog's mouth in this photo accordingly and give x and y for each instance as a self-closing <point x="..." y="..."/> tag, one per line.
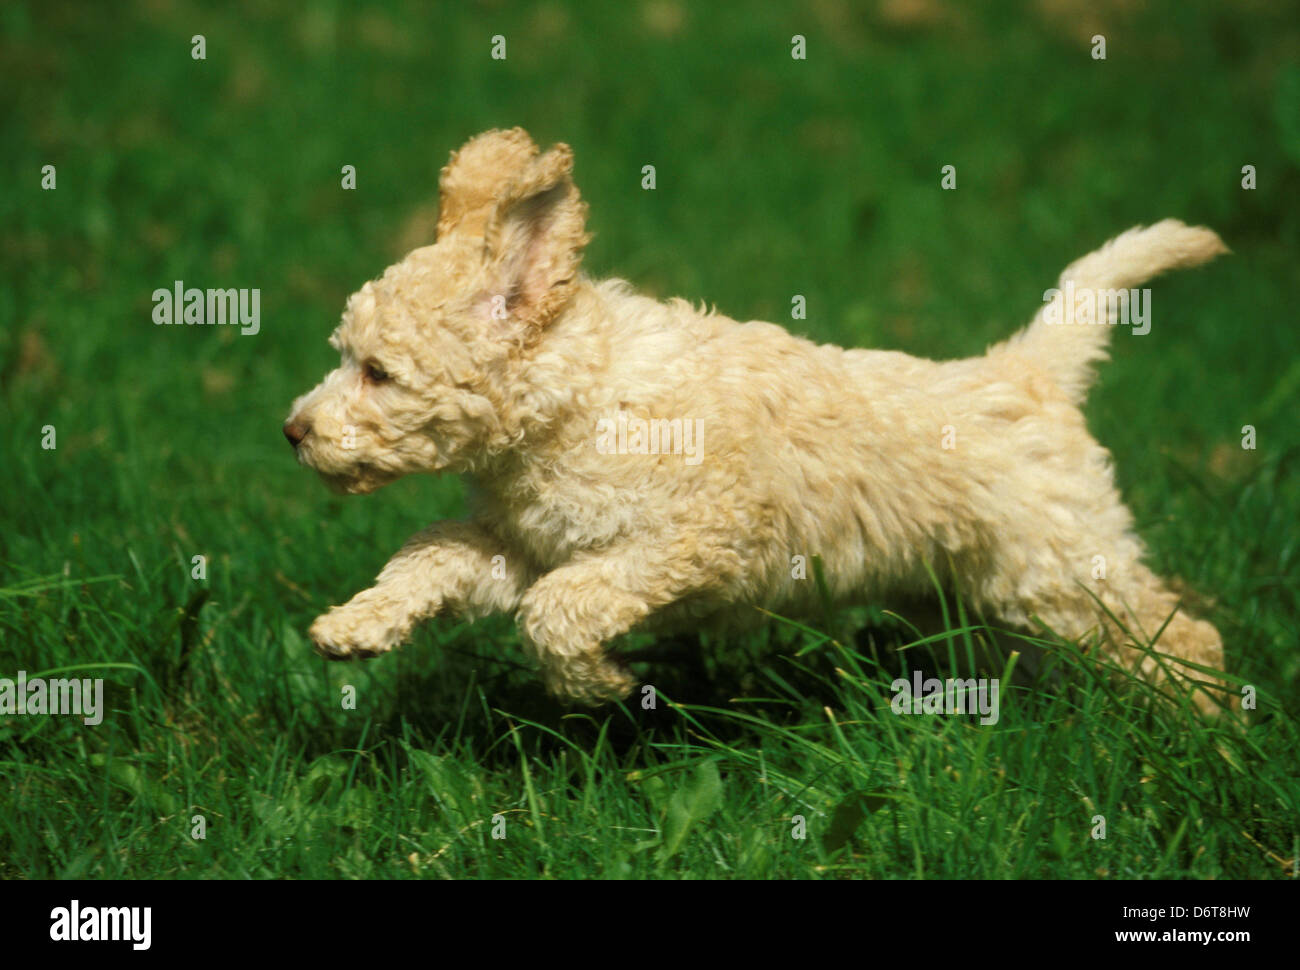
<point x="354" y="480"/>
<point x="344" y="478"/>
<point x="358" y="481"/>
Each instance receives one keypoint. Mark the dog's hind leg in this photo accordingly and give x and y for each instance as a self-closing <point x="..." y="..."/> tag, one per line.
<point x="1120" y="598"/>
<point x="1149" y="612"/>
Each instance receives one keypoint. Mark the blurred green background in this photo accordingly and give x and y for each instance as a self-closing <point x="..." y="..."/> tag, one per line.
<point x="775" y="177"/>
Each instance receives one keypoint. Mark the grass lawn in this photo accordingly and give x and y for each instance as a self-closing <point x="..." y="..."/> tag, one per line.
<point x="776" y="176"/>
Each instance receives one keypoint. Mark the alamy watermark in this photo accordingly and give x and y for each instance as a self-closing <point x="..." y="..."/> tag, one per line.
<point x="1080" y="305"/>
<point x="102" y="924"/>
<point x="630" y="435"/>
<point x="83" y="698"/>
<point x="241" y="308"/>
<point x="953" y="696"/>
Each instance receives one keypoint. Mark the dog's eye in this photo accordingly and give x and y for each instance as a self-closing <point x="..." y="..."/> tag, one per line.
<point x="375" y="374"/>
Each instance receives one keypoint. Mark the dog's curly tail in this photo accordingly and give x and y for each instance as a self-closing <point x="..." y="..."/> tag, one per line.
<point x="1071" y="332"/>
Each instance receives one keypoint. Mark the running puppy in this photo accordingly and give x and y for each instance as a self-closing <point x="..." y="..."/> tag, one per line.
<point x="643" y="463"/>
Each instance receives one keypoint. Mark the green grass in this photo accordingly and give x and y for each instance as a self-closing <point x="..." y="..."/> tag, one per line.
<point x="775" y="177"/>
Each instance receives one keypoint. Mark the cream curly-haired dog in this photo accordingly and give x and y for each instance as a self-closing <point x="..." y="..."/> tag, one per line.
<point x="638" y="463"/>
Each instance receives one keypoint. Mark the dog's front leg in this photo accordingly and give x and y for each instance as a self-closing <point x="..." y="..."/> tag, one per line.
<point x="449" y="567"/>
<point x="570" y="613"/>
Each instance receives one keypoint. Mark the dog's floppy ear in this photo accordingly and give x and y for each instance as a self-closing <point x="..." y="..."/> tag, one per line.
<point x="477" y="176"/>
<point x="534" y="239"/>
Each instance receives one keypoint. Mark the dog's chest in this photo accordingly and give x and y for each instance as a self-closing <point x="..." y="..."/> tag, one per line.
<point x="552" y="524"/>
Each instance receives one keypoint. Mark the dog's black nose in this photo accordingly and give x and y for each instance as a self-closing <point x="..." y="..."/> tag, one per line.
<point x="295" y="432"/>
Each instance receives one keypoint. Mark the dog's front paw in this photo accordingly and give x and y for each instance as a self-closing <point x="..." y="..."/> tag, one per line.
<point x="589" y="680"/>
<point x="345" y="632"/>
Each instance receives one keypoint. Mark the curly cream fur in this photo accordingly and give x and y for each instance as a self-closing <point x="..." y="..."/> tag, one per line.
<point x="488" y="354"/>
